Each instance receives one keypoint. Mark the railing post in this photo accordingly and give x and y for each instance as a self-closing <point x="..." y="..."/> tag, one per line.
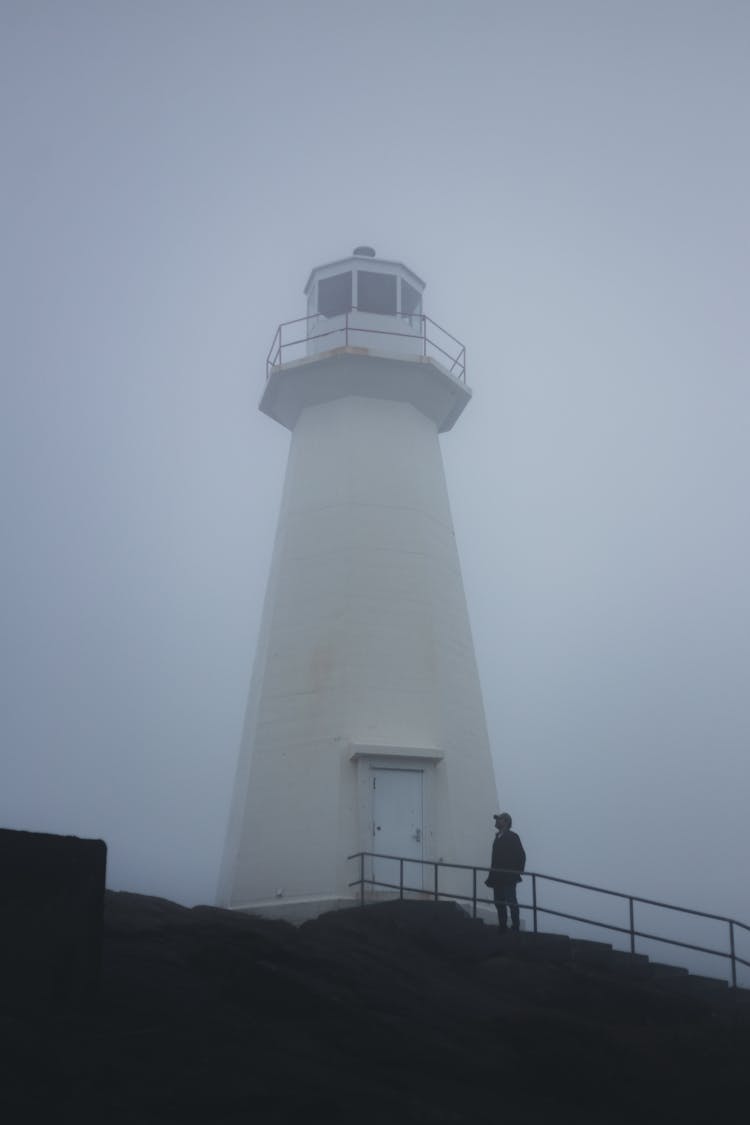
<point x="424" y="335"/>
<point x="732" y="954"/>
<point x="346" y="329"/>
<point x="436" y="882"/>
<point x="401" y="877"/>
<point x="474" y="892"/>
<point x="533" y="900"/>
<point x="632" y="924"/>
<point x="361" y="878"/>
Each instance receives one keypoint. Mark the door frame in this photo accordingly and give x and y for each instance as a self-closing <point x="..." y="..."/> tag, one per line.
<point x="367" y="758"/>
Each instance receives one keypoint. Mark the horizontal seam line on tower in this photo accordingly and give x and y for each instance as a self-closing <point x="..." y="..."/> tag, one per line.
<point x="365" y="504"/>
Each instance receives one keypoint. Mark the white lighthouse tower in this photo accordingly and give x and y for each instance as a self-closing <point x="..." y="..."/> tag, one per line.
<point x="365" y="729"/>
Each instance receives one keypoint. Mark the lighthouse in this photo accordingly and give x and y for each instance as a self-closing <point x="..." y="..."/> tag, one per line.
<point x="365" y="728"/>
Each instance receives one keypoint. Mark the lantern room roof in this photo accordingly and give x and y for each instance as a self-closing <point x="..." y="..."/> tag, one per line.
<point x="366" y="260"/>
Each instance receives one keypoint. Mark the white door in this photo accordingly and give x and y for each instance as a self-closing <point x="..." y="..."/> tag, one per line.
<point x="397" y="826"/>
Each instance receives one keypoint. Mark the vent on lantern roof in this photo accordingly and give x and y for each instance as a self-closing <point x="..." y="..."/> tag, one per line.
<point x="364" y="252"/>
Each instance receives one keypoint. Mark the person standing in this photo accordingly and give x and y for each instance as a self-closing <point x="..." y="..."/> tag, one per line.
<point x="507" y="863"/>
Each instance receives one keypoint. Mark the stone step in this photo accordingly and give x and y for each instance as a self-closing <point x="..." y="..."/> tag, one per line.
<point x="530" y="947"/>
<point x="741" y="1000"/>
<point x="590" y="952"/>
<point x="659" y="970"/>
<point x="692" y="983"/>
<point x="599" y="954"/>
<point x="630" y="964"/>
<point x="537" y="947"/>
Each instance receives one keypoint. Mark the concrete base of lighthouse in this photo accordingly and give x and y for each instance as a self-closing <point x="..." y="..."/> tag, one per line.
<point x="298" y="910"/>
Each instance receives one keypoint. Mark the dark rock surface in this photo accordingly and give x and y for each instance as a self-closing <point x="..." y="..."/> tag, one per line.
<point x="402" y="1012"/>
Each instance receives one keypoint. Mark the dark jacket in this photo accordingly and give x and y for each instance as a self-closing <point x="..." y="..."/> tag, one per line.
<point x="507" y="852"/>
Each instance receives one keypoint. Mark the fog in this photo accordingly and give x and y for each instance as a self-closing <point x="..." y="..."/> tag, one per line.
<point x="572" y="181"/>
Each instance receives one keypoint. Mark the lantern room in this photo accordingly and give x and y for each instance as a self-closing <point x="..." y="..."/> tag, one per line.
<point x="374" y="303"/>
<point x="365" y="334"/>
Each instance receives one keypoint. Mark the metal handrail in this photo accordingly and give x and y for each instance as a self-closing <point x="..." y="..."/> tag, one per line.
<point x="456" y="358"/>
<point x="536" y="909"/>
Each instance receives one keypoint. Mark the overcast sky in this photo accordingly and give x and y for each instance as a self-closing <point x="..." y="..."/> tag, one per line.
<point x="572" y="180"/>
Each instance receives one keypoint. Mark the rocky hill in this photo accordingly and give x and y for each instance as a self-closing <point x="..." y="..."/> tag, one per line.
<point x="401" y="1012"/>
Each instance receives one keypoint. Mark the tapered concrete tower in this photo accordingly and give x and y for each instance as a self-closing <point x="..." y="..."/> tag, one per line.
<point x="365" y="729"/>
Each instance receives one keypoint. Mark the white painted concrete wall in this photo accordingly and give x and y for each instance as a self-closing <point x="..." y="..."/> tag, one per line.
<point x="365" y="648"/>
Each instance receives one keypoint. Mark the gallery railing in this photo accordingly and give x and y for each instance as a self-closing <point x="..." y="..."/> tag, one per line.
<point x="536" y="909"/>
<point x="350" y="329"/>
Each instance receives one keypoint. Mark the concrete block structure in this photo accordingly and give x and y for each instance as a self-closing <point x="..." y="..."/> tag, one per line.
<point x="365" y="729"/>
<point x="51" y="932"/>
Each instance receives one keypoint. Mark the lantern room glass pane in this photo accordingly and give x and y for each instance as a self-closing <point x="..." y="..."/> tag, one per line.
<point x="411" y="299"/>
<point x="335" y="294"/>
<point x="376" y="292"/>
